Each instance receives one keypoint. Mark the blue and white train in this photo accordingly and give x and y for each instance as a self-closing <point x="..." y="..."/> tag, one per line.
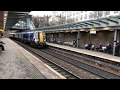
<point x="34" y="38"/>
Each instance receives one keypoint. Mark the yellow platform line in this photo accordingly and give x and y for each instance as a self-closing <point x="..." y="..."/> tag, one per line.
<point x="61" y="76"/>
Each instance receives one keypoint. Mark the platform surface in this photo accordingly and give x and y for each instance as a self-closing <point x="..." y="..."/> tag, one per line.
<point x="88" y="52"/>
<point x="17" y="63"/>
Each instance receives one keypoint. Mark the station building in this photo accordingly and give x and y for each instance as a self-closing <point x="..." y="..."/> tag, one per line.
<point x="103" y="30"/>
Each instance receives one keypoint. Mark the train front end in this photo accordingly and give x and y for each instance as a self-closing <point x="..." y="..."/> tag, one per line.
<point x="42" y="40"/>
<point x="39" y="39"/>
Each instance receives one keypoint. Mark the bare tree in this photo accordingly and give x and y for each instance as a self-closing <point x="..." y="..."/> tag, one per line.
<point x="35" y="21"/>
<point x="95" y="14"/>
<point x="62" y="20"/>
<point x="54" y="20"/>
<point x="107" y="13"/>
<point x="70" y="20"/>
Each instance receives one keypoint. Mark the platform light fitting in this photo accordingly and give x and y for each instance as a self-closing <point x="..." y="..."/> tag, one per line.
<point x="73" y="30"/>
<point x="111" y="30"/>
<point x="82" y="29"/>
<point x="93" y="29"/>
<point x="106" y="28"/>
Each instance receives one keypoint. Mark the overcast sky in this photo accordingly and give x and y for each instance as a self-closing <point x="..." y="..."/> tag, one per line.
<point x="40" y="13"/>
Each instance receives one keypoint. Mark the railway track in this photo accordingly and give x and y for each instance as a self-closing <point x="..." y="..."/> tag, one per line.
<point x="114" y="66"/>
<point x="92" y="69"/>
<point x="67" y="74"/>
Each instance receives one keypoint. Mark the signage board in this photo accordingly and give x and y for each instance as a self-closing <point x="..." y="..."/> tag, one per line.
<point x="92" y="31"/>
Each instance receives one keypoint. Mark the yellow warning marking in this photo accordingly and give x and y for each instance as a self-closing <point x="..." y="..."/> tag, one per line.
<point x="41" y="62"/>
<point x="55" y="71"/>
<point x="41" y="37"/>
<point x="47" y="66"/>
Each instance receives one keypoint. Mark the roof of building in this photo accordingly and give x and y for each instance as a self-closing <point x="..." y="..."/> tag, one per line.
<point x="13" y="17"/>
<point x="102" y="23"/>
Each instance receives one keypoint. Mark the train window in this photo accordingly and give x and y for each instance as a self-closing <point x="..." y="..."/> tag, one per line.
<point x="36" y="35"/>
<point x="31" y="36"/>
<point x="25" y="35"/>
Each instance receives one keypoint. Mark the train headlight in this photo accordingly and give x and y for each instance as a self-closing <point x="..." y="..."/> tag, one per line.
<point x="44" y="40"/>
<point x="36" y="41"/>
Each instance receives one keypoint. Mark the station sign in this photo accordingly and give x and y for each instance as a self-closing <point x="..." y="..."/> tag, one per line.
<point x="92" y="31"/>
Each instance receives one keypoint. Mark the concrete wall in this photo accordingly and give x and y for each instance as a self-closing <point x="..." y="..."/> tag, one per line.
<point x="56" y="37"/>
<point x="49" y="37"/>
<point x="101" y="36"/>
<point x="70" y="36"/>
<point x="62" y="37"/>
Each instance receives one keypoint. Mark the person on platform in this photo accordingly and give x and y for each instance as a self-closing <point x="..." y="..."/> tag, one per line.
<point x="89" y="46"/>
<point x="1" y="45"/>
<point x="99" y="47"/>
<point x="74" y="43"/>
<point x="108" y="49"/>
<point x="117" y="49"/>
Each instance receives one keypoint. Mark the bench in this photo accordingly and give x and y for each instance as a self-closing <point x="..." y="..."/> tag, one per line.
<point x="68" y="43"/>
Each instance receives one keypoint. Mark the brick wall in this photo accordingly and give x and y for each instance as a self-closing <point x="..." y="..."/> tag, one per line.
<point x="85" y="37"/>
<point x="101" y="36"/>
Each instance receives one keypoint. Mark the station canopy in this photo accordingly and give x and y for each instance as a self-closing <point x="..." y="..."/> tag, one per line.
<point x="13" y="17"/>
<point x="101" y="23"/>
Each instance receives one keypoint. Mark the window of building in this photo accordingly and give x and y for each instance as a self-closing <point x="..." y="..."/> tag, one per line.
<point x="81" y="17"/>
<point x="100" y="14"/>
<point x="90" y="15"/>
<point x="95" y="14"/>
<point x="77" y="12"/>
<point x="115" y="12"/>
<point x="107" y="12"/>
<point x="85" y="16"/>
<point x="77" y="18"/>
<point x="73" y="13"/>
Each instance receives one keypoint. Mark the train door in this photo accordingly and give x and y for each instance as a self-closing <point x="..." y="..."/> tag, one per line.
<point x="36" y="36"/>
<point x="31" y="36"/>
<point x="21" y="36"/>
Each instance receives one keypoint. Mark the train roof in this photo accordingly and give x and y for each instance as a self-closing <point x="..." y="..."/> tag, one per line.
<point x="26" y="32"/>
<point x="32" y="31"/>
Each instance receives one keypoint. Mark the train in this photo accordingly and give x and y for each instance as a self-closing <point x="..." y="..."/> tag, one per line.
<point x="33" y="38"/>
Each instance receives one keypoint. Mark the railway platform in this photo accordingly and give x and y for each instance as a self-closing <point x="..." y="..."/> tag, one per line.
<point x="88" y="52"/>
<point x="17" y="63"/>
